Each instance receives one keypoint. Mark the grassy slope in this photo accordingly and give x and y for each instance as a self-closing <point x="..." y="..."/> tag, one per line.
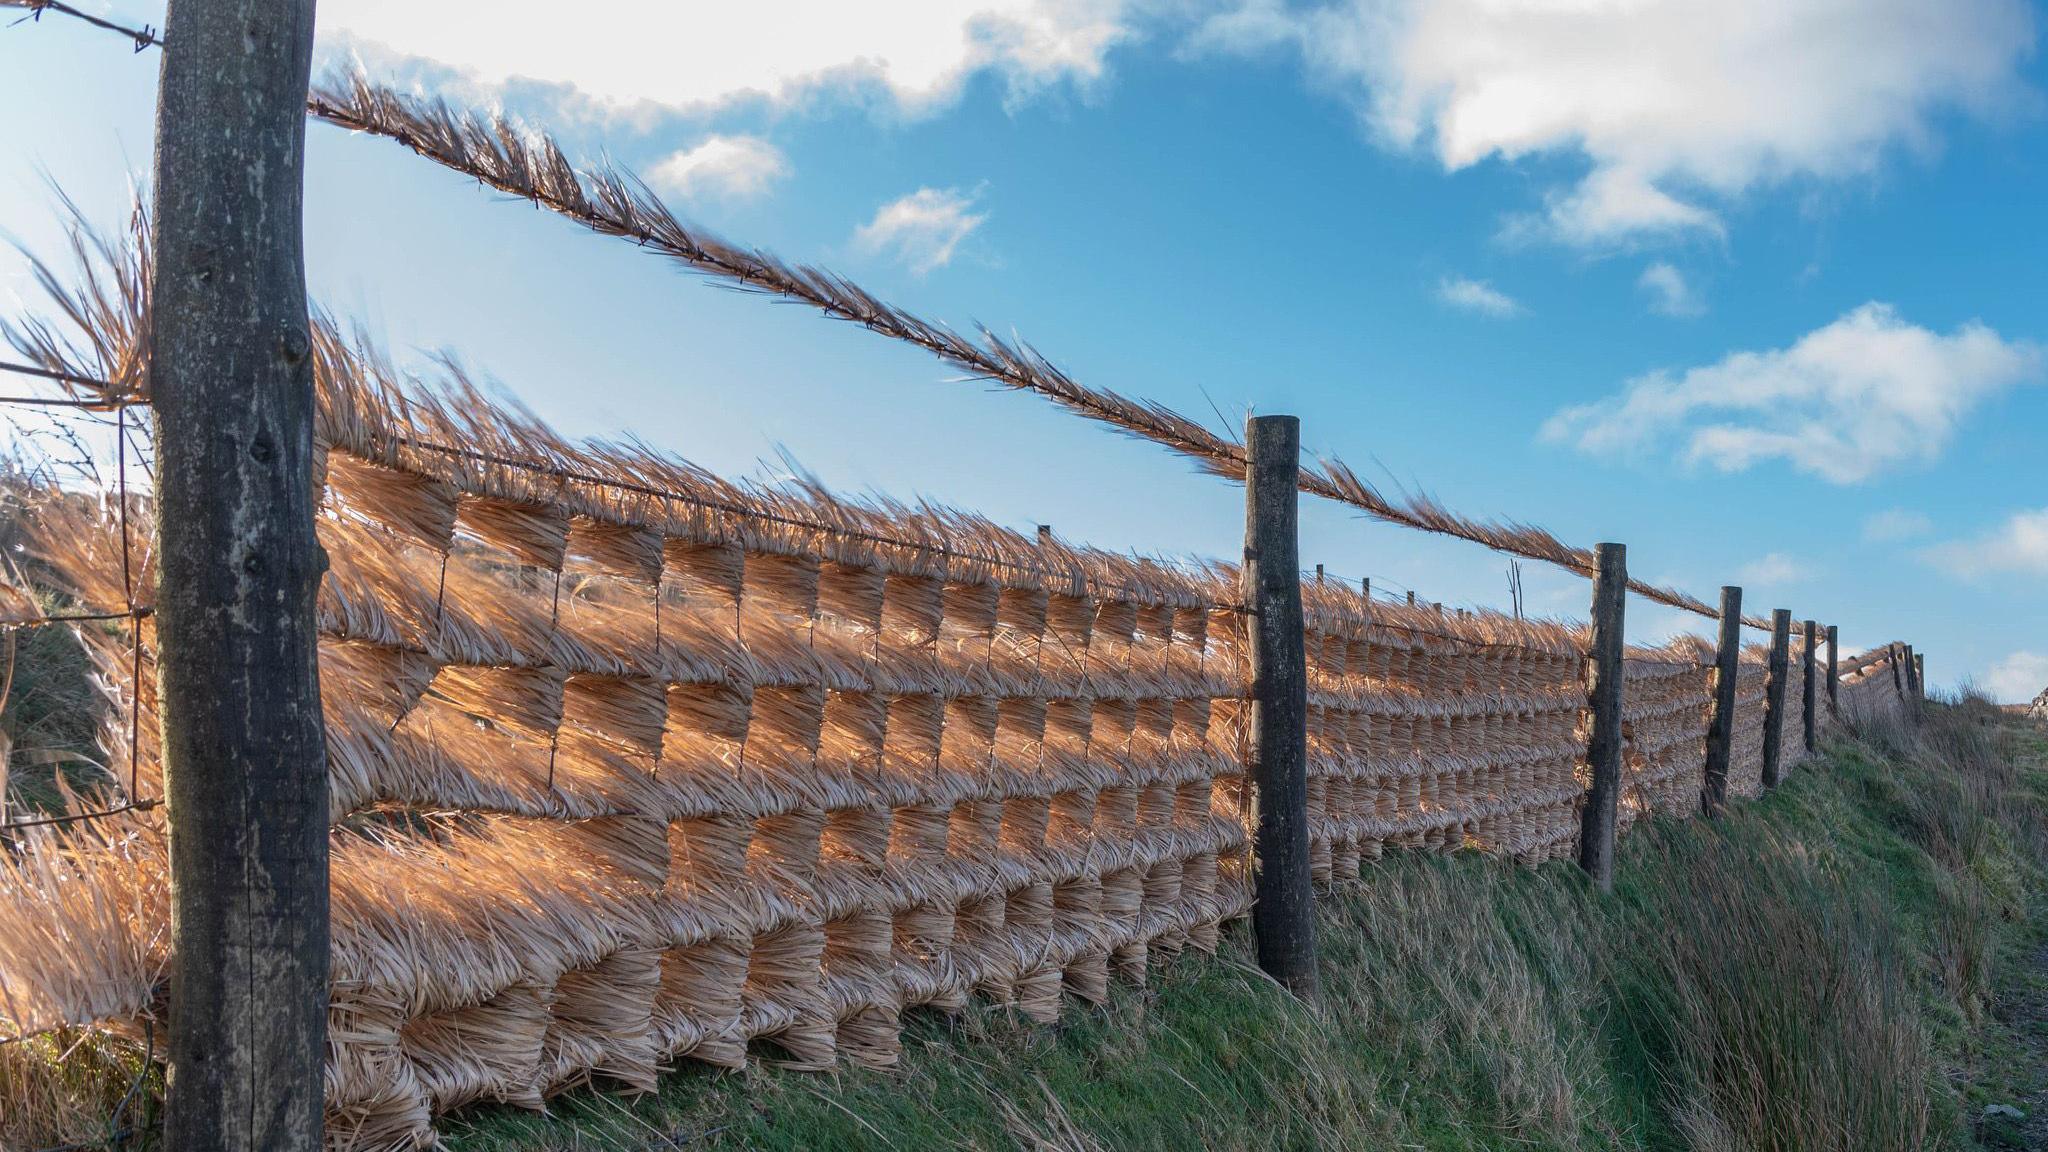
<point x="1849" y="964"/>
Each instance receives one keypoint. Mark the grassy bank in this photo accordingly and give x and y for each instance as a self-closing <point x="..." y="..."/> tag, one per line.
<point x="1824" y="970"/>
<point x="1859" y="961"/>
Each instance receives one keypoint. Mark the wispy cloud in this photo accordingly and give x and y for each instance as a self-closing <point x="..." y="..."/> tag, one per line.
<point x="2018" y="546"/>
<point x="1776" y="569"/>
<point x="923" y="229"/>
<point x="2017" y="678"/>
<point x="1895" y="524"/>
<point x="722" y="167"/>
<point x="1477" y="296"/>
<point x="620" y="58"/>
<point x="1845" y="402"/>
<point x="1670" y="293"/>
<point x="1678" y="108"/>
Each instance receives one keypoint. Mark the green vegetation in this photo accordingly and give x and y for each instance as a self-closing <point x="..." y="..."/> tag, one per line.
<point x="1848" y="964"/>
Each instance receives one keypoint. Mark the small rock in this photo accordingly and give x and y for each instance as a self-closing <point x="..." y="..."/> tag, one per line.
<point x="2003" y="1112"/>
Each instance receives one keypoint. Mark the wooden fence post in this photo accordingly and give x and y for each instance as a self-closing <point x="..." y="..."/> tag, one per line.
<point x="1774" y="694"/>
<point x="1807" y="691"/>
<point x="1891" y="658"/>
<point x="1721" y="723"/>
<point x="1604" y="696"/>
<point x="1920" y="673"/>
<point x="230" y="356"/>
<point x="1283" y="908"/>
<point x="1834" y="677"/>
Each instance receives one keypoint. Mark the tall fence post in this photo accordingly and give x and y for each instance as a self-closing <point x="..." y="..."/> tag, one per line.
<point x="1721" y="724"/>
<point x="1834" y="677"/>
<point x="245" y="766"/>
<point x="1283" y="910"/>
<point x="1807" y="690"/>
<point x="1774" y="694"/>
<point x="1603" y="691"/>
<point x="1920" y="673"/>
<point x="1891" y="658"/>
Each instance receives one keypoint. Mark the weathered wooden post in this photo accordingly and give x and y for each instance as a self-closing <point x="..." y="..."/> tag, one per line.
<point x="1411" y="598"/>
<point x="1834" y="677"/>
<point x="1603" y="691"/>
<point x="1721" y="722"/>
<point x="1283" y="909"/>
<point x="1891" y="658"/>
<point x="1365" y="587"/>
<point x="1920" y="673"/>
<point x="1774" y="694"/>
<point x="245" y="764"/>
<point x="1807" y="691"/>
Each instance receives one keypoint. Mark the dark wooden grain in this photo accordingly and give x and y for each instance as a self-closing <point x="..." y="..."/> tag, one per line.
<point x="1808" y="669"/>
<point x="1604" y="696"/>
<point x="1721" y="722"/>
<point x="1774" y="695"/>
<point x="1834" y="670"/>
<point x="243" y="742"/>
<point x="1283" y="911"/>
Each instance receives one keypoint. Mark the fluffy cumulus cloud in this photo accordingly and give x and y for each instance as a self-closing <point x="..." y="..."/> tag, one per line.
<point x="1895" y="524"/>
<point x="912" y="56"/>
<point x="1776" y="569"/>
<point x="1669" y="291"/>
<point x="1476" y="296"/>
<point x="921" y="230"/>
<point x="2017" y="678"/>
<point x="722" y="167"/>
<point x="2017" y="547"/>
<point x="1862" y="395"/>
<point x="1674" y="106"/>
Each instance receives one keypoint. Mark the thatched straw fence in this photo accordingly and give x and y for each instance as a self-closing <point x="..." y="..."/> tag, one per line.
<point x="631" y="764"/>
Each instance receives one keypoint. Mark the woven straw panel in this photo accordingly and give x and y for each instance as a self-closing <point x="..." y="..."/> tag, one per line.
<point x="630" y="764"/>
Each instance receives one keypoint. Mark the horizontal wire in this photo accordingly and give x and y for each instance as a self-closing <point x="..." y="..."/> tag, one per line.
<point x="47" y="821"/>
<point x="144" y="37"/>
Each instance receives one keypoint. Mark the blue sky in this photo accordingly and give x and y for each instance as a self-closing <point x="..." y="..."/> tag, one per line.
<point x="1756" y="291"/>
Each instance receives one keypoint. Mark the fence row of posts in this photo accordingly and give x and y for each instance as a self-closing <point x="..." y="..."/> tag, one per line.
<point x="1283" y="912"/>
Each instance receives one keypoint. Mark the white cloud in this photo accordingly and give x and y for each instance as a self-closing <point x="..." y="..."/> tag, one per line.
<point x="1776" y="569"/>
<point x="1675" y="106"/>
<point x="1895" y="524"/>
<point x="1477" y="296"/>
<point x="1670" y="293"/>
<point x="2018" y="678"/>
<point x="1844" y="403"/>
<point x="723" y="167"/>
<point x="2018" y="546"/>
<point x="911" y="56"/>
<point x="922" y="229"/>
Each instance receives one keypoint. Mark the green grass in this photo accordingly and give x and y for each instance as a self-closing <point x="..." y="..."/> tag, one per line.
<point x="1830" y="968"/>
